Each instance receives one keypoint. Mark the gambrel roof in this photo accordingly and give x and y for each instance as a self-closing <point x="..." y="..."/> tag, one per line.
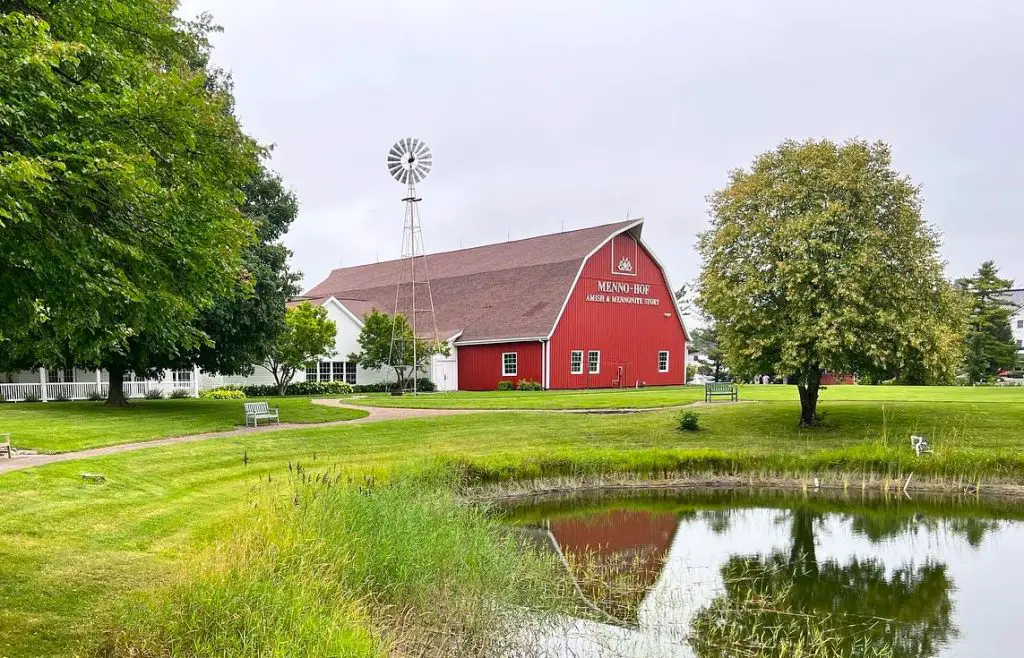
<point x="505" y="291"/>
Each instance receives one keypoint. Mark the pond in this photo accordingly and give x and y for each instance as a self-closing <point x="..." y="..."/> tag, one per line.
<point x="731" y="573"/>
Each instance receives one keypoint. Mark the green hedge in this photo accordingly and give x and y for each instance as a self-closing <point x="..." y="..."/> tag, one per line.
<point x="298" y="388"/>
<point x="423" y="385"/>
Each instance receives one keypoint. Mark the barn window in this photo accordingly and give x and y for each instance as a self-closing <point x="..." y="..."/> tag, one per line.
<point x="576" y="362"/>
<point x="594" y="361"/>
<point x="509" y="364"/>
<point x="663" y="361"/>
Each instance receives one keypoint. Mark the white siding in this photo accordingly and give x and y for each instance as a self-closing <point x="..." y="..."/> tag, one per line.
<point x="1018" y="330"/>
<point x="347" y="341"/>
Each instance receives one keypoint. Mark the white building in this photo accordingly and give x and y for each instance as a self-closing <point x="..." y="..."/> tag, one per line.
<point x="75" y="384"/>
<point x="1017" y="321"/>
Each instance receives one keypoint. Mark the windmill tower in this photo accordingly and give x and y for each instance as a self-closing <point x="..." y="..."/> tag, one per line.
<point x="409" y="162"/>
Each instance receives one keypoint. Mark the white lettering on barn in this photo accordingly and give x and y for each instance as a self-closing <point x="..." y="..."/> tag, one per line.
<point x="618" y="292"/>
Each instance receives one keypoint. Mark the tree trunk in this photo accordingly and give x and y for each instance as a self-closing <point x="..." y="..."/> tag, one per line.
<point x="802" y="556"/>
<point x="115" y="392"/>
<point x="808" y="386"/>
<point x="281" y="380"/>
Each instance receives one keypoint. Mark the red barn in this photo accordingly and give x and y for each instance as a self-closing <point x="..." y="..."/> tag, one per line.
<point x="580" y="309"/>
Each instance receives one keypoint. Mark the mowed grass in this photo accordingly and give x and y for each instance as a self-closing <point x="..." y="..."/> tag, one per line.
<point x="656" y="397"/>
<point x="67" y="426"/>
<point x="69" y="548"/>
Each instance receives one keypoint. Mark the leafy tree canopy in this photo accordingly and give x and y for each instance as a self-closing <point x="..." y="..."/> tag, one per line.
<point x="990" y="343"/>
<point x="387" y="341"/>
<point x="244" y="322"/>
<point x="818" y="259"/>
<point x="122" y="170"/>
<point x="308" y="335"/>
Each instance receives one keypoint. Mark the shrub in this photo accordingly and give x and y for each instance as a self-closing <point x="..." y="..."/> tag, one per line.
<point x="96" y="396"/>
<point x="155" y="394"/>
<point x="424" y="385"/>
<point x="379" y="387"/>
<point x="528" y="385"/>
<point x="319" y="388"/>
<point x="222" y="393"/>
<point x="32" y="397"/>
<point x="2" y="399"/>
<point x="297" y="388"/>
<point x="505" y="386"/>
<point x="258" y="390"/>
<point x="179" y="394"/>
<point x="61" y="397"/>
<point x="689" y="421"/>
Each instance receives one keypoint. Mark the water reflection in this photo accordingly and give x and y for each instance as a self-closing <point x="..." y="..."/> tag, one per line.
<point x="724" y="574"/>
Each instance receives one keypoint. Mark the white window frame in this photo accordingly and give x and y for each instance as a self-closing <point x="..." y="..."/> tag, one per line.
<point x="505" y="364"/>
<point x="667" y="361"/>
<point x="1020" y="324"/>
<point x="313" y="372"/>
<point x="573" y="370"/>
<point x="591" y="370"/>
<point x="181" y="376"/>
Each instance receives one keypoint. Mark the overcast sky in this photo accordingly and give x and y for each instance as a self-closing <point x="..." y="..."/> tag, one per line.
<point x="544" y="115"/>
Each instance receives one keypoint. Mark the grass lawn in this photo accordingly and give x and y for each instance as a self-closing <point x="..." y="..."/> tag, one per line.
<point x="68" y="548"/>
<point x="655" y="397"/>
<point x="68" y="426"/>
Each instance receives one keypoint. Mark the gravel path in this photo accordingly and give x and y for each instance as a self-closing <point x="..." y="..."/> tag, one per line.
<point x="376" y="414"/>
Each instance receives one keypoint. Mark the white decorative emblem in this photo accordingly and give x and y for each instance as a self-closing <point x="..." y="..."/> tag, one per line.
<point x="625" y="265"/>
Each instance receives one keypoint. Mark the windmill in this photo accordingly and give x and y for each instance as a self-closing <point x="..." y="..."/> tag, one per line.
<point x="409" y="162"/>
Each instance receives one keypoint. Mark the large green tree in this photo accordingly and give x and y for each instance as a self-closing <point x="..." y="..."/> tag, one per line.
<point x="122" y="170"/>
<point x="818" y="259"/>
<point x="990" y="343"/>
<point x="245" y="321"/>
<point x="308" y="335"/>
<point x="387" y="342"/>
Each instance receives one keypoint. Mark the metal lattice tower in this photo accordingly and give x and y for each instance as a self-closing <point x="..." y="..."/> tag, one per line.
<point x="409" y="162"/>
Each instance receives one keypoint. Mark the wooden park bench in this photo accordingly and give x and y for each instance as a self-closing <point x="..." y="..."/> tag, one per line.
<point x="257" y="410"/>
<point x="721" y="389"/>
<point x="5" y="444"/>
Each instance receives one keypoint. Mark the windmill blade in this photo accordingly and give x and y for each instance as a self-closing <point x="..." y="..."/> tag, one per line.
<point x="409" y="159"/>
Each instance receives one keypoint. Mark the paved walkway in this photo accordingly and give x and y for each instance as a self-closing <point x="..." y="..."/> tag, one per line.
<point x="376" y="414"/>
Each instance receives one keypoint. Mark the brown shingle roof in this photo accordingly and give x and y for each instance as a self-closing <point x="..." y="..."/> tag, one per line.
<point x="499" y="291"/>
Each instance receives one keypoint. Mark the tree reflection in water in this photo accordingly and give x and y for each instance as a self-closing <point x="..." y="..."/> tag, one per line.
<point x="785" y="601"/>
<point x="788" y="604"/>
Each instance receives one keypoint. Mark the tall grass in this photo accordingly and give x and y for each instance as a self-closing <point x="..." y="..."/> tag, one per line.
<point x="337" y="569"/>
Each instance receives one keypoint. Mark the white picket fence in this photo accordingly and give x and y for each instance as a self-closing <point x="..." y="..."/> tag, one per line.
<point x="82" y="390"/>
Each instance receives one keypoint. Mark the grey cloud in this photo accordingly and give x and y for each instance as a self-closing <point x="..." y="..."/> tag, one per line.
<point x="551" y="114"/>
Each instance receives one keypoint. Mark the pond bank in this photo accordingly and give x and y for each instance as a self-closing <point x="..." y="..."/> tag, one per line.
<point x="882" y="487"/>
